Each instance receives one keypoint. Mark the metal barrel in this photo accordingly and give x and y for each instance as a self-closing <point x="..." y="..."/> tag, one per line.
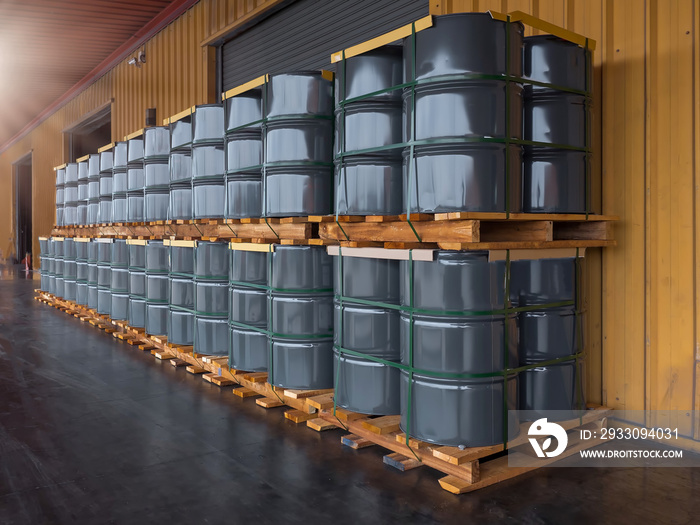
<point x="135" y="206"/>
<point x="134" y="152"/>
<point x="211" y="271"/>
<point x="209" y="199"/>
<point x="182" y="295"/>
<point x="136" y="313"/>
<point x="208" y="124"/>
<point x="156" y="143"/>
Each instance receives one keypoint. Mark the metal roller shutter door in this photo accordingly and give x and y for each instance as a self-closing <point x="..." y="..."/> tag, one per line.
<point x="302" y="35"/>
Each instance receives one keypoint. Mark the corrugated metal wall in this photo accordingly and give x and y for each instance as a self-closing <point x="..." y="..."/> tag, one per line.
<point x="642" y="295"/>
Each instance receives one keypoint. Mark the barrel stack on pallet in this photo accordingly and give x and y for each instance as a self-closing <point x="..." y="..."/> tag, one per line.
<point x="394" y="252"/>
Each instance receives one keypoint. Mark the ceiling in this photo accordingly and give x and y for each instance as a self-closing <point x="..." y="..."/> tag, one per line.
<point x="47" y="46"/>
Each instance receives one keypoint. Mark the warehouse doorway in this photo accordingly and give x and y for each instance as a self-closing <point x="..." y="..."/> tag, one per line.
<point x="23" y="206"/>
<point x="90" y="133"/>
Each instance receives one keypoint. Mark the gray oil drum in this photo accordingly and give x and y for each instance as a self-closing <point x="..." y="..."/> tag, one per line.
<point x="60" y="177"/>
<point x="554" y="181"/>
<point x="119" y="280"/>
<point x="552" y="60"/>
<point x="105" y="215"/>
<point x="106" y="184"/>
<point x="92" y="297"/>
<point x="81" y="250"/>
<point x="180" y="165"/>
<point x="135" y="177"/>
<point x="119" y="207"/>
<point x="92" y="273"/>
<point x="157" y="257"/>
<point x="71" y="173"/>
<point x="69" y="251"/>
<point x="93" y="211"/>
<point x="211" y="298"/>
<point x="119" y="253"/>
<point x="373" y="71"/>
<point x="157" y="288"/>
<point x="135" y="150"/>
<point x="135" y="206"/>
<point x="181" y="133"/>
<point x="104" y="251"/>
<point x="120" y="180"/>
<point x="81" y="271"/>
<point x="137" y="256"/>
<point x="156" y="143"/>
<point x="181" y="202"/>
<point x="81" y="292"/>
<point x="119" y="307"/>
<point x="301" y="317"/>
<point x="180" y="327"/>
<point x="94" y="189"/>
<point x="463" y="177"/>
<point x="368" y="125"/>
<point x="293" y="191"/>
<point x="60" y="195"/>
<point x="299" y="93"/>
<point x="44" y="283"/>
<point x="83" y="190"/>
<point x="244" y="111"/>
<point x="244" y="151"/>
<point x="299" y="140"/>
<point x="104" y="301"/>
<point x="182" y="292"/>
<point x="104" y="276"/>
<point x="157" y="203"/>
<point x="363" y="385"/>
<point x="105" y="163"/>
<point x="248" y="349"/>
<point x="555" y="117"/>
<point x="211" y="261"/>
<point x="120" y="156"/>
<point x="551" y="388"/>
<point x="70" y="270"/>
<point x="208" y="120"/>
<point x="70" y="193"/>
<point x="137" y="313"/>
<point x="59" y="286"/>
<point x="82" y="212"/>
<point x="542" y="281"/>
<point x="446" y="339"/>
<point x="70" y="214"/>
<point x="157" y="319"/>
<point x="208" y="162"/>
<point x="243" y="195"/>
<point x="211" y="335"/>
<point x="369" y="185"/>
<point x="157" y="174"/>
<point x="59" y="214"/>
<point x="69" y="289"/>
<point x="93" y="166"/>
<point x="137" y="284"/>
<point x="82" y="171"/>
<point x="182" y="260"/>
<point x="209" y="199"/>
<point x="464" y="43"/>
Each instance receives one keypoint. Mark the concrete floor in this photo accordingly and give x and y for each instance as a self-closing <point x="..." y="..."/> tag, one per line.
<point x="93" y="431"/>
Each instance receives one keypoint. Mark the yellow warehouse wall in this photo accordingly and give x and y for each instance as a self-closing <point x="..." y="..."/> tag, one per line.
<point x="642" y="315"/>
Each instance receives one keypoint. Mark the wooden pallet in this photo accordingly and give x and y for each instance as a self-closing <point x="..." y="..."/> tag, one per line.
<point x="471" y="231"/>
<point x="466" y="469"/>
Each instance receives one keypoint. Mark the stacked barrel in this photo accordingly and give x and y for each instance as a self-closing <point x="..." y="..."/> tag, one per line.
<point x="70" y="195"/>
<point x="368" y="167"/>
<point x="108" y="160"/>
<point x="298" y="170"/>
<point x="82" y="246"/>
<point x="157" y="285"/>
<point x="93" y="203"/>
<point x="69" y="269"/>
<point x="208" y="178"/>
<point x="92" y="277"/>
<point x="157" y="175"/>
<point x="137" y="283"/>
<point x="135" y="180"/>
<point x="104" y="275"/>
<point x="181" y="316"/>
<point x="58" y="267"/>
<point x="211" y="270"/>
<point x="119" y="280"/>
<point x="557" y="122"/>
<point x="248" y="348"/>
<point x="45" y="264"/>
<point x="367" y="323"/>
<point x="120" y="185"/>
<point x="60" y="195"/>
<point x="83" y="182"/>
<point x="180" y="167"/>
<point x="244" y="155"/>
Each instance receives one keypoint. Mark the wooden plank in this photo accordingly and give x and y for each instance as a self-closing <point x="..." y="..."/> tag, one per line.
<point x="178" y="363"/>
<point x="322" y="402"/>
<point x="401" y="462"/>
<point x="268" y="402"/>
<point x="300" y="394"/>
<point x="515" y="231"/>
<point x="356" y="442"/>
<point x="382" y="425"/>
<point x="217" y="380"/>
<point x="192" y="369"/>
<point x="245" y="392"/>
<point x="428" y="231"/>
<point x="297" y="416"/>
<point x="163" y="355"/>
<point x="583" y="230"/>
<point x="320" y="425"/>
<point x="256" y="377"/>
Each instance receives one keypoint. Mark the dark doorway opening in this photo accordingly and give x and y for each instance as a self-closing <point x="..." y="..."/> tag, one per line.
<point x="23" y="206"/>
<point x="91" y="133"/>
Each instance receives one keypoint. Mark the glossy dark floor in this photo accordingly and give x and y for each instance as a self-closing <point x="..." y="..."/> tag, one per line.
<point x="94" y="431"/>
